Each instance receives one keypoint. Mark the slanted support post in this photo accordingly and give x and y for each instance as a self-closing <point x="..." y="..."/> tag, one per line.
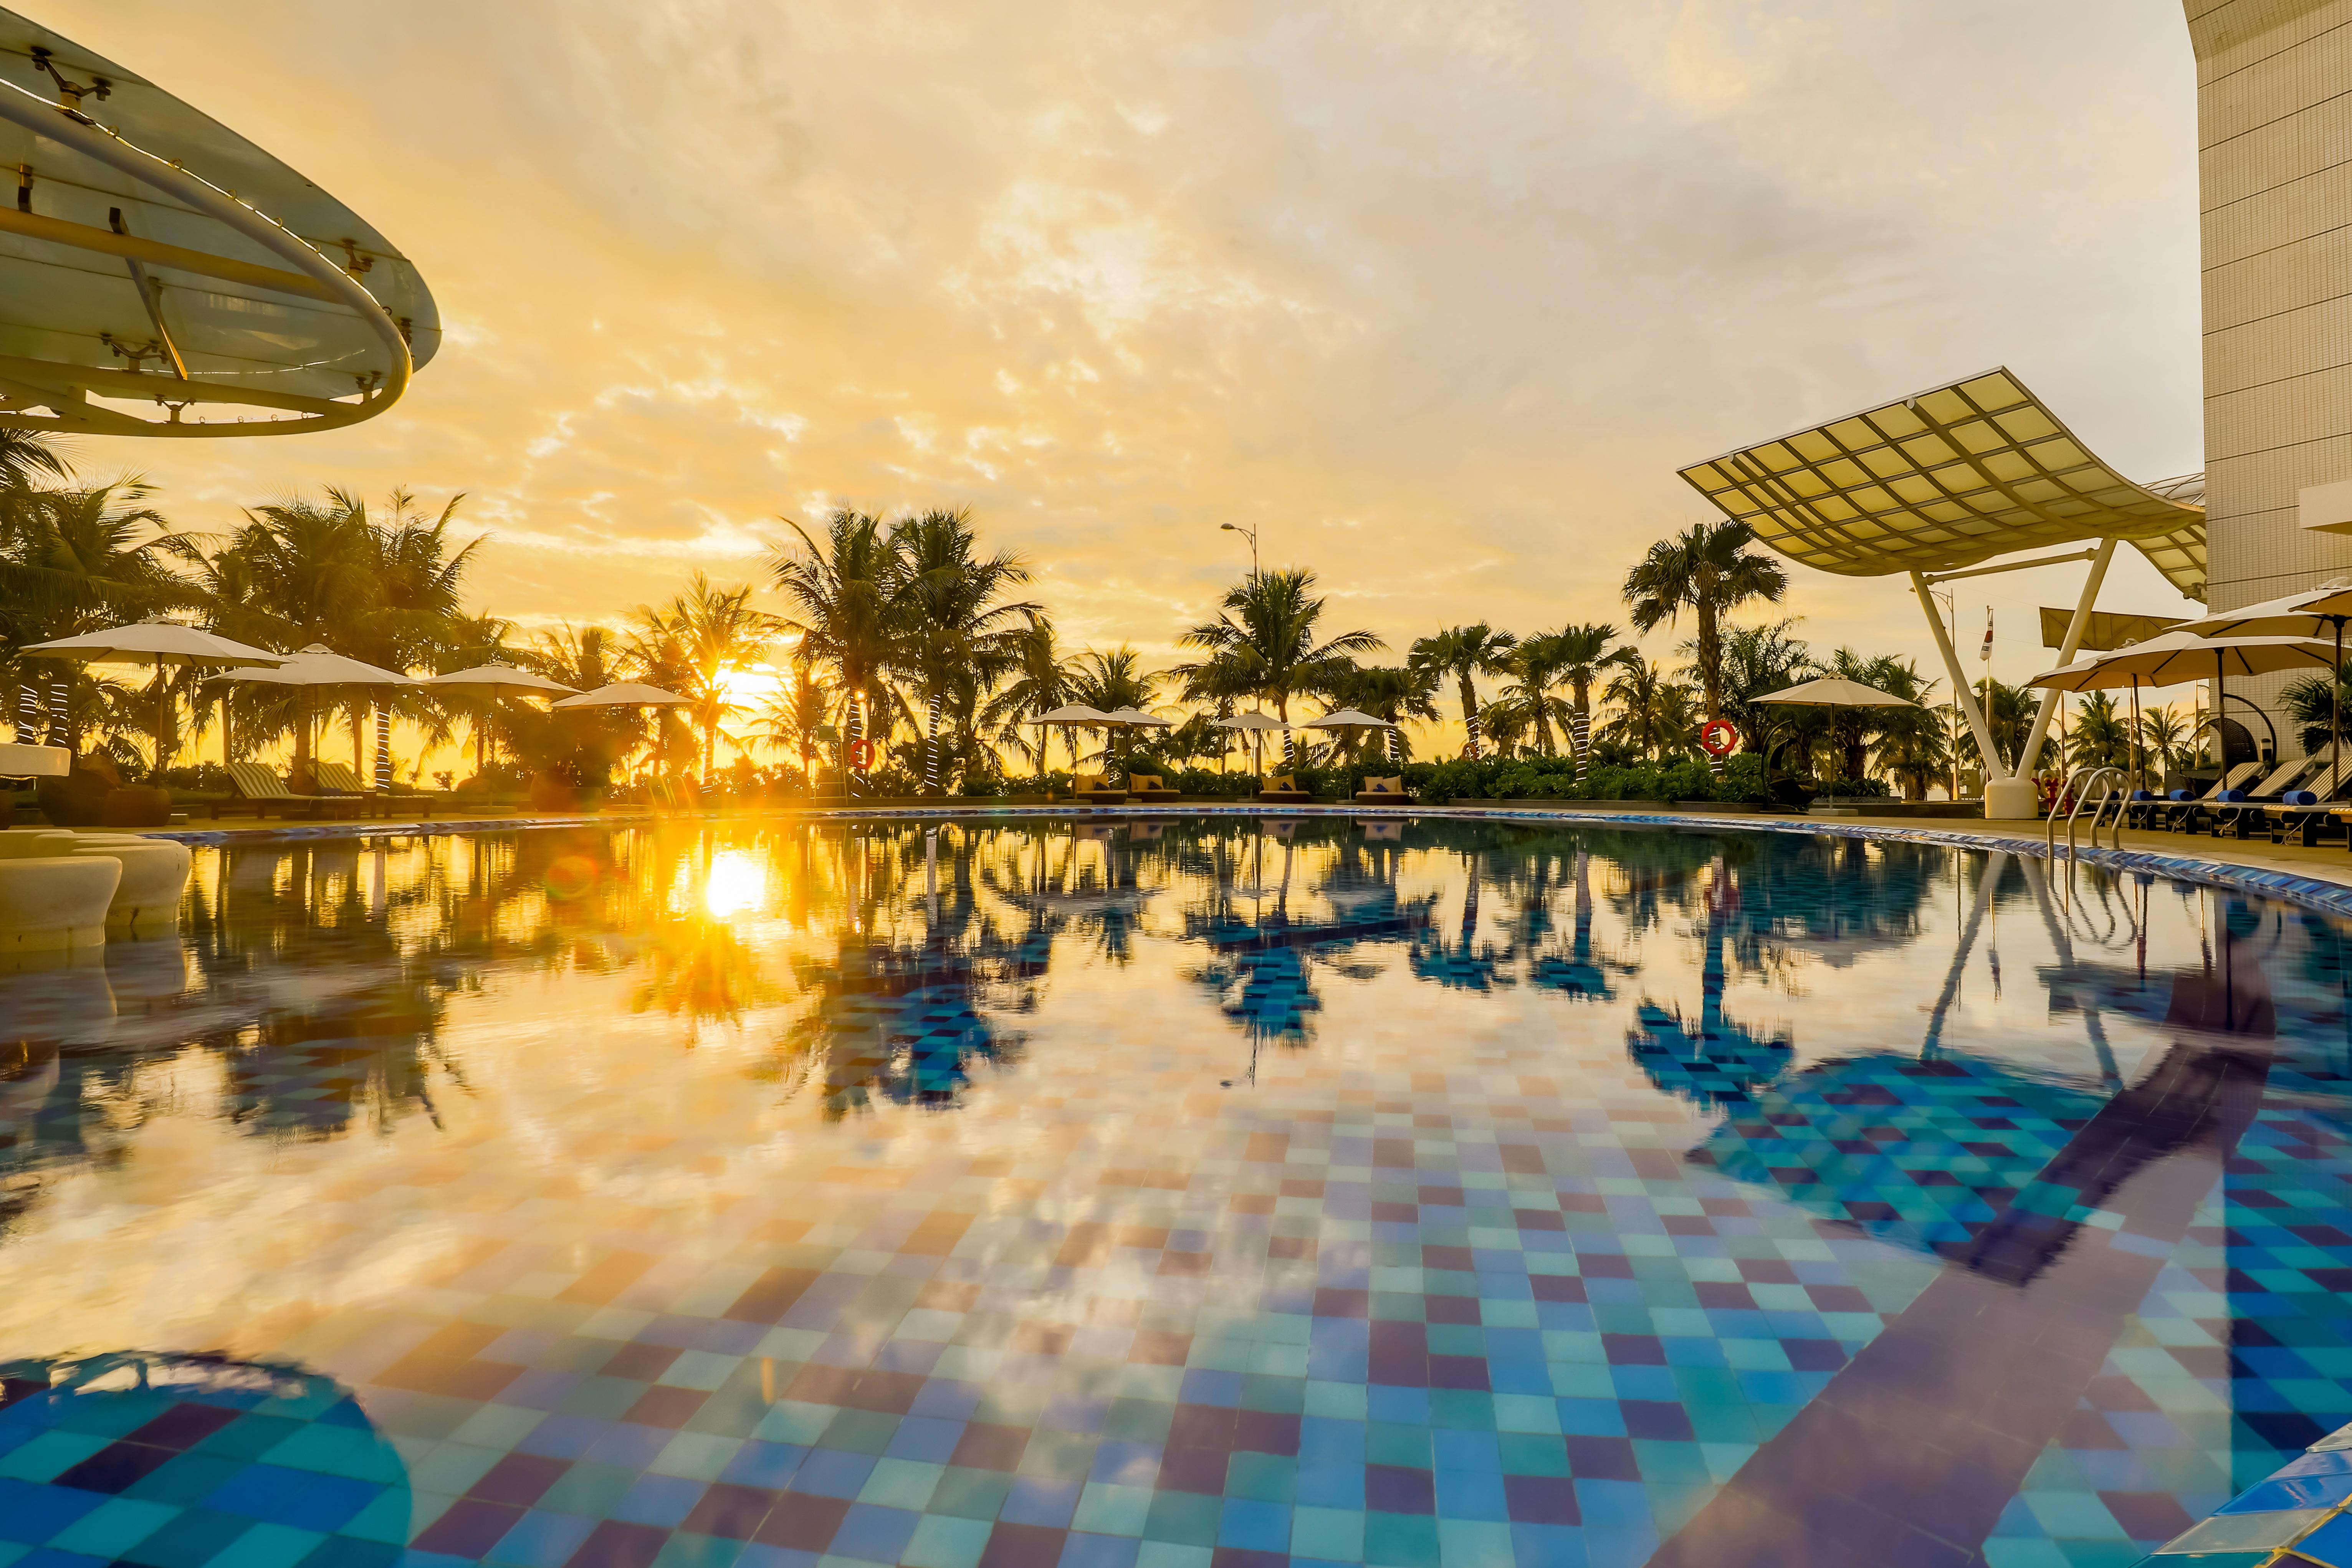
<point x="1960" y="692"/>
<point x="2075" y="629"/>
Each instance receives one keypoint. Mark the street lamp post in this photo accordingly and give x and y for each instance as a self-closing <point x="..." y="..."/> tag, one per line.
<point x="1248" y="533"/>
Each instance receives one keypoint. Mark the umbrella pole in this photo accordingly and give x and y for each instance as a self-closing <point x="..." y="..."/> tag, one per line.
<point x="2335" y="709"/>
<point x="162" y="722"/>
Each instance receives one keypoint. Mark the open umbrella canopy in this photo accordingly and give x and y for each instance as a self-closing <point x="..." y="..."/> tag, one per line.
<point x="1833" y="692"/>
<point x="316" y="666"/>
<point x="1135" y="716"/>
<point x="1250" y="721"/>
<point x="1348" y="719"/>
<point x="1074" y="713"/>
<point x="500" y="680"/>
<point x="624" y="694"/>
<point x="157" y="642"/>
<point x="2178" y="655"/>
<point x="2310" y="613"/>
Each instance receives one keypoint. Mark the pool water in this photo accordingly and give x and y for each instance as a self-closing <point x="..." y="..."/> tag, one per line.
<point x="1208" y="1194"/>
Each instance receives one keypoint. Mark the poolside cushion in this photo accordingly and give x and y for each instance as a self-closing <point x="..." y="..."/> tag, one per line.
<point x="1392" y="785"/>
<point x="2232" y="796"/>
<point x="2142" y="794"/>
<point x="1282" y="781"/>
<point x="1144" y="784"/>
<point x="2301" y="797"/>
<point x="2178" y="795"/>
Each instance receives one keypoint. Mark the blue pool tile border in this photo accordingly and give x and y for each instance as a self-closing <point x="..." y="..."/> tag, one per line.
<point x="2316" y="893"/>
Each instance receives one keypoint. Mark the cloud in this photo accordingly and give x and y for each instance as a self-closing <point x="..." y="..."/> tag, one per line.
<point x="1436" y="297"/>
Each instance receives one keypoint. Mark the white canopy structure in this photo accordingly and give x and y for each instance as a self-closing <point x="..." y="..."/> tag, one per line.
<point x="166" y="277"/>
<point x="1935" y="484"/>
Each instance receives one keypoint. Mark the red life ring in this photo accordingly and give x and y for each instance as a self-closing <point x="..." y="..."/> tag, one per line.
<point x="1719" y="738"/>
<point x="861" y="753"/>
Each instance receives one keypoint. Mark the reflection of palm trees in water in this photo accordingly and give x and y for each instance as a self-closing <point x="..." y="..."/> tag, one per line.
<point x="1724" y="1061"/>
<point x="1466" y="963"/>
<point x="1580" y="970"/>
<point x="1264" y="954"/>
<point x="907" y="1004"/>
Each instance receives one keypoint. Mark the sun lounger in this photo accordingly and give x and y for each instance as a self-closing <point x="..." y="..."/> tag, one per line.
<point x="1383" y="792"/>
<point x="1284" y="789"/>
<point x="337" y="778"/>
<point x="1089" y="789"/>
<point x="2239" y="819"/>
<point x="1149" y="787"/>
<point x="2309" y="814"/>
<point x="261" y="791"/>
<point x="2181" y="811"/>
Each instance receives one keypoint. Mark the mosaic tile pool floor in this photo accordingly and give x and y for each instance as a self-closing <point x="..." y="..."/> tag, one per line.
<point x="1195" y="1195"/>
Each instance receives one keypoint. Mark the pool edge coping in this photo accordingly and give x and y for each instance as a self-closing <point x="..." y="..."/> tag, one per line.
<point x="2318" y="893"/>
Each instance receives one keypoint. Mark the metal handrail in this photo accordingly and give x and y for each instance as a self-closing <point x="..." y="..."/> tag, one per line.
<point x="2078" y="786"/>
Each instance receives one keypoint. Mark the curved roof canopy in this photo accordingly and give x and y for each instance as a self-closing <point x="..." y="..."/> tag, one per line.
<point x="1946" y="478"/>
<point x="159" y="275"/>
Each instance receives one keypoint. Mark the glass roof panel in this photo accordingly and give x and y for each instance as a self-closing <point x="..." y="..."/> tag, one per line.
<point x="1997" y="415"/>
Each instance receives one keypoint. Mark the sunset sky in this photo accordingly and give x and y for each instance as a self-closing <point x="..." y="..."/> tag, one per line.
<point x="1437" y="296"/>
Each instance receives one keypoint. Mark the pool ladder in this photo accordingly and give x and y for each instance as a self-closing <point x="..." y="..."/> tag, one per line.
<point x="2108" y="782"/>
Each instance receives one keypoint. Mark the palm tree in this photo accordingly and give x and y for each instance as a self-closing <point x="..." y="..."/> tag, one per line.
<point x="845" y="602"/>
<point x="301" y="571"/>
<point x="2102" y="736"/>
<point x="2165" y="738"/>
<point x="1393" y="692"/>
<point x="1709" y="570"/>
<point x="1538" y="663"/>
<point x="1756" y="661"/>
<point x="1269" y="636"/>
<point x="716" y="632"/>
<point x="1505" y="718"/>
<point x="1585" y="651"/>
<point x="961" y="629"/>
<point x="798" y="718"/>
<point x="1653" y="708"/>
<point x="1109" y="682"/>
<point x="2314" y="708"/>
<point x="1464" y="652"/>
<point x="1041" y="675"/>
<point x="77" y="560"/>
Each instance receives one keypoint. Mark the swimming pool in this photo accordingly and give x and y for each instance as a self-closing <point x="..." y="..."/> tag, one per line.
<point x="1209" y="1194"/>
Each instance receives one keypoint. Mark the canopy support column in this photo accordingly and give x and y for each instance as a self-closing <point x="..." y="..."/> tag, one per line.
<point x="2075" y="629"/>
<point x="1962" y="694"/>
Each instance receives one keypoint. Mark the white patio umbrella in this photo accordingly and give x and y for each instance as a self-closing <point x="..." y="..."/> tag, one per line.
<point x="1350" y="719"/>
<point x="2178" y="656"/>
<point x="494" y="680"/>
<point x="1833" y="692"/>
<point x="317" y="665"/>
<point x="1136" y="719"/>
<point x="2308" y="613"/>
<point x="163" y="644"/>
<point x="1255" y="724"/>
<point x="624" y="694"/>
<point x="1069" y="716"/>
